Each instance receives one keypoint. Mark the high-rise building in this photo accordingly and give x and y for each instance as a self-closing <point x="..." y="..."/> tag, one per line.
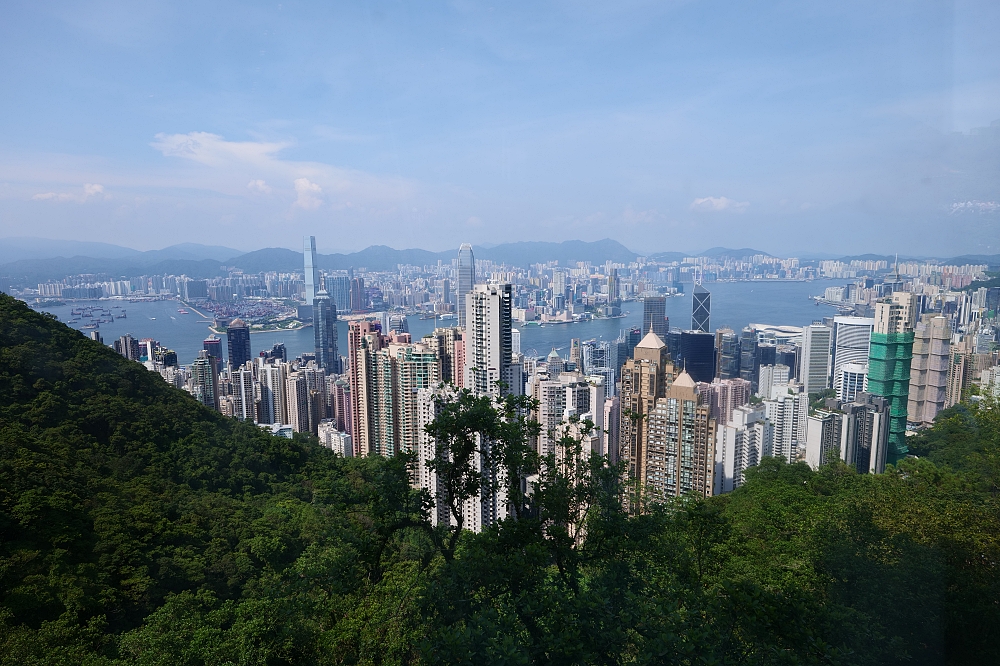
<point x="466" y="279"/>
<point x="561" y="395"/>
<point x="273" y="407"/>
<point x="213" y="345"/>
<point x="489" y="364"/>
<point x="865" y="433"/>
<point x="363" y="340"/>
<point x="205" y="381"/>
<point x="853" y="381"/>
<point x="339" y="289"/>
<point x="824" y="431"/>
<point x="929" y="369"/>
<point x="739" y="445"/>
<point x="654" y="316"/>
<point x="727" y="354"/>
<point x="749" y="365"/>
<point x="576" y="354"/>
<point x="644" y="379"/>
<point x="701" y="309"/>
<point x="244" y="387"/>
<point x="336" y="440"/>
<point x="238" y="336"/>
<point x="787" y="413"/>
<point x="723" y="396"/>
<point x="601" y="358"/>
<point x="450" y="350"/>
<point x="128" y="347"/>
<point x="325" y="333"/>
<point x="851" y="341"/>
<point x="558" y="282"/>
<point x="770" y="378"/>
<point x="340" y="397"/>
<point x="814" y="363"/>
<point x="680" y="446"/>
<point x="515" y="341"/>
<point x="311" y="270"/>
<point x="697" y="355"/>
<point x="614" y="287"/>
<point x="889" y="364"/>
<point x="359" y="297"/>
<point x="297" y="399"/>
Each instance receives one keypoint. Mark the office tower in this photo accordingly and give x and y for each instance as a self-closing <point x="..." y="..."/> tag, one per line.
<point x="205" y="381"/>
<point x="680" y="449"/>
<point x="614" y="287"/>
<point x="723" y="396"/>
<point x="450" y="349"/>
<point x="851" y="340"/>
<point x="363" y="339"/>
<point x="244" y="394"/>
<point x="213" y="345"/>
<point x="929" y="369"/>
<point x="889" y="364"/>
<point x="311" y="270"/>
<point x="654" y="316"/>
<point x="727" y="354"/>
<point x="701" y="309"/>
<point x="853" y="381"/>
<point x="325" y="333"/>
<point x="488" y="355"/>
<point x="297" y="399"/>
<point x="271" y="378"/>
<point x="814" y="361"/>
<point x="787" y="413"/>
<point x="739" y="445"/>
<point x="128" y="347"/>
<point x="627" y="340"/>
<point x="771" y="378"/>
<point x="336" y="440"/>
<point x="644" y="379"/>
<point x="749" y="368"/>
<point x="787" y="355"/>
<point x="395" y="322"/>
<point x="339" y="289"/>
<point x="515" y="341"/>
<point x="601" y="359"/>
<point x="238" y="335"/>
<point x="698" y="355"/>
<point x="466" y="279"/>
<point x="358" y="297"/>
<point x="576" y="354"/>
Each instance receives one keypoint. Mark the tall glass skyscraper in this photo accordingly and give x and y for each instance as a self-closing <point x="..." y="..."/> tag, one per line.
<point x="701" y="309"/>
<point x="654" y="315"/>
<point x="466" y="278"/>
<point x="325" y="330"/>
<point x="311" y="272"/>
<point x="238" y="336"/>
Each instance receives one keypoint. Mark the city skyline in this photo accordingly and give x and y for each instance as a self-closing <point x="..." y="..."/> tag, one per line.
<point x="672" y="125"/>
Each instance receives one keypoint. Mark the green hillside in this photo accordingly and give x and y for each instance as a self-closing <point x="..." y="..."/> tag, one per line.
<point x="137" y="527"/>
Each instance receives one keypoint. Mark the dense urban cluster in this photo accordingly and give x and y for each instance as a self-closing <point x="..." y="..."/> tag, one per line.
<point x="685" y="410"/>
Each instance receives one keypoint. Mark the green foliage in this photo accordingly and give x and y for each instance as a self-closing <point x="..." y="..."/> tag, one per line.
<point x="137" y="527"/>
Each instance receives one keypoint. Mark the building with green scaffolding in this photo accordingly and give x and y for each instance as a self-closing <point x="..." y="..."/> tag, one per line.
<point x="889" y="358"/>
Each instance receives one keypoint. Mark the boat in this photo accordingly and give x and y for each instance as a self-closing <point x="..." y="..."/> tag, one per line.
<point x="152" y="318"/>
<point x="90" y="326"/>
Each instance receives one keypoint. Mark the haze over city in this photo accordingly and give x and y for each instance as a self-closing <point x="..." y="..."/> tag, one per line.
<point x="795" y="129"/>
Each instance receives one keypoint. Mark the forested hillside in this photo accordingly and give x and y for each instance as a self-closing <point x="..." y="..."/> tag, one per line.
<point x="137" y="527"/>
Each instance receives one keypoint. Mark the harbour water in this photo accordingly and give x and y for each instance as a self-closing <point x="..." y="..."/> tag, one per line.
<point x="734" y="304"/>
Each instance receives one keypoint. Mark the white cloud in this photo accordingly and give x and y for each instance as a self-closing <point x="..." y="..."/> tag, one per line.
<point x="258" y="186"/>
<point x="89" y="190"/>
<point x="309" y="194"/>
<point x="718" y="205"/>
<point x="213" y="150"/>
<point x="975" y="207"/>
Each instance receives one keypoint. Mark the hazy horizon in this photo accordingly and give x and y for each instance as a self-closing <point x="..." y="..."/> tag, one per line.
<point x="794" y="129"/>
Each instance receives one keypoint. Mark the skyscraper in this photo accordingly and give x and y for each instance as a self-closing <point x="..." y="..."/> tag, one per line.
<point x="311" y="271"/>
<point x="644" y="379"/>
<point x="698" y="355"/>
<point x="814" y="364"/>
<point x="851" y="340"/>
<point x="466" y="278"/>
<point x="359" y="299"/>
<point x="727" y="354"/>
<point x="213" y="345"/>
<point x="929" y="369"/>
<point x="701" y="309"/>
<point x="680" y="448"/>
<point x="654" y="315"/>
<point x="339" y="289"/>
<point x="238" y="336"/>
<point x="488" y="352"/>
<point x="205" y="381"/>
<point x="889" y="364"/>
<point x="325" y="333"/>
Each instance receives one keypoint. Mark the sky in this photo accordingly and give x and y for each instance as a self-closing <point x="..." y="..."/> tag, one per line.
<point x="791" y="127"/>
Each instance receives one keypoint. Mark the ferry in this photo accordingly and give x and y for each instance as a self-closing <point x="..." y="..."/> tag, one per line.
<point x="90" y="326"/>
<point x="183" y="311"/>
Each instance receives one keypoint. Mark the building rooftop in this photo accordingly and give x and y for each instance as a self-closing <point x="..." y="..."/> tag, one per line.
<point x="651" y="341"/>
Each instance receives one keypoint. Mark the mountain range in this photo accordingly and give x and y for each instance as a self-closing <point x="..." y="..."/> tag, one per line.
<point x="36" y="260"/>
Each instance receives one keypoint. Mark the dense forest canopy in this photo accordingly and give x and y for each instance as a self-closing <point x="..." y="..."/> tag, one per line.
<point x="138" y="527"/>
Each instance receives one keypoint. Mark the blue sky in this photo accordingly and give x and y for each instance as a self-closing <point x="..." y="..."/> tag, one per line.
<point x="792" y="127"/>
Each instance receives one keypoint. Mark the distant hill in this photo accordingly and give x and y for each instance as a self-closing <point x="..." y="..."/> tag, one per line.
<point x="24" y="248"/>
<point x="42" y="270"/>
<point x="667" y="257"/>
<point x="717" y="252"/>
